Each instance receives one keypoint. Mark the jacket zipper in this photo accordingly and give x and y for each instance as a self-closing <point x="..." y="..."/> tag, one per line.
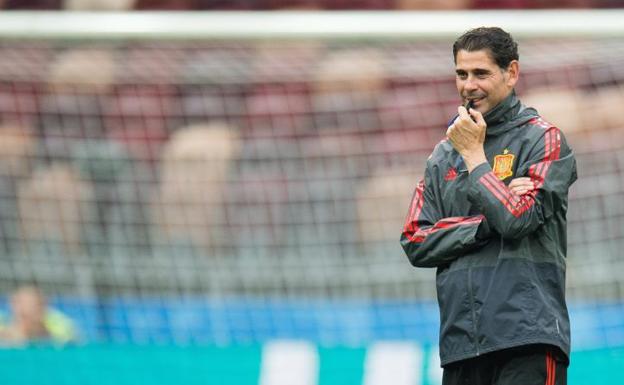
<point x="472" y="310"/>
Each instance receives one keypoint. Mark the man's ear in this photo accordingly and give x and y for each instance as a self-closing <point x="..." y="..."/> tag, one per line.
<point x="513" y="72"/>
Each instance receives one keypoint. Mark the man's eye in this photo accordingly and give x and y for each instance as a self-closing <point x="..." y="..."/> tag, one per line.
<point x="462" y="76"/>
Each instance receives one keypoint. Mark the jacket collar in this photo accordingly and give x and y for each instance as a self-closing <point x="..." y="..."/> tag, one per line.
<point x="508" y="114"/>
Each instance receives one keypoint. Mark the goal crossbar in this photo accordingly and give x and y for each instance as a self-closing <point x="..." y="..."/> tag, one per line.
<point x="350" y="25"/>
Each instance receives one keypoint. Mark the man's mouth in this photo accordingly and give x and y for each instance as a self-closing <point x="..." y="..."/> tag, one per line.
<point x="475" y="101"/>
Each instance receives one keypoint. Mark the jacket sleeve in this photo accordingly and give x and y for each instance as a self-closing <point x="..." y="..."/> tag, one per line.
<point x="552" y="168"/>
<point x="430" y="240"/>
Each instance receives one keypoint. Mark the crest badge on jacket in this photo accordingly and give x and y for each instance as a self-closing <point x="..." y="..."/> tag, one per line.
<point x="503" y="165"/>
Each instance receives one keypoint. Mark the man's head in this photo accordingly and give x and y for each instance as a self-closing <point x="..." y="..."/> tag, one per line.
<point x="486" y="66"/>
<point x="29" y="306"/>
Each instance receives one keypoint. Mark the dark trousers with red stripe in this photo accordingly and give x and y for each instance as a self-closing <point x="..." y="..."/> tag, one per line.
<point x="525" y="365"/>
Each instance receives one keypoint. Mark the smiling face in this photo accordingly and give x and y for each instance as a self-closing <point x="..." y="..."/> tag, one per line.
<point x="480" y="79"/>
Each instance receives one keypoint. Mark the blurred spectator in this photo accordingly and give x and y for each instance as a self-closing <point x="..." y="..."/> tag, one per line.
<point x="361" y="72"/>
<point x="33" y="321"/>
<point x="564" y="108"/>
<point x="84" y="70"/>
<point x="379" y="214"/>
<point x="78" y="82"/>
<point x="98" y="5"/>
<point x="568" y="108"/>
<point x="605" y="99"/>
<point x="39" y="5"/>
<point x="433" y="4"/>
<point x="17" y="151"/>
<point x="55" y="207"/>
<point x="347" y="87"/>
<point x="18" y="148"/>
<point x="194" y="170"/>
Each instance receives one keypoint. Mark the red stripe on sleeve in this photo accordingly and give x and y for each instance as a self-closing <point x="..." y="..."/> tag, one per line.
<point x="496" y="192"/>
<point x="537" y="172"/>
<point x="540" y="165"/>
<point x="552" y="150"/>
<point x="502" y="189"/>
<point x="515" y="205"/>
<point x="415" y="207"/>
<point x="420" y="234"/>
<point x="415" y="233"/>
<point x="555" y="148"/>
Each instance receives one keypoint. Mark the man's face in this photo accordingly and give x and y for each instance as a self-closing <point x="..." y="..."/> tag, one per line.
<point x="29" y="309"/>
<point x="480" y="79"/>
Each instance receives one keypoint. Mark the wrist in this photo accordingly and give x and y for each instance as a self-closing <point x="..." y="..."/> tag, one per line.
<point x="473" y="160"/>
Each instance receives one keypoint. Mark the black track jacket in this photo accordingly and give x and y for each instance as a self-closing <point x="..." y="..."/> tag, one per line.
<point x="500" y="259"/>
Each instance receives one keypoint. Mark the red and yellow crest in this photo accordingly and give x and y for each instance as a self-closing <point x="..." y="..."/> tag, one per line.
<point x="503" y="165"/>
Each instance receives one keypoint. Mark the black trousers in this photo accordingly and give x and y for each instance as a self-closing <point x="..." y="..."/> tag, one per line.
<point x="525" y="365"/>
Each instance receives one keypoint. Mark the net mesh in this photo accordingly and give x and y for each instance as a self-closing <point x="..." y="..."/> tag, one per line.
<point x="260" y="178"/>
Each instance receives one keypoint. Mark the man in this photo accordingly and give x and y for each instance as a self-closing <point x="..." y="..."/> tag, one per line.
<point x="33" y="322"/>
<point x="498" y="243"/>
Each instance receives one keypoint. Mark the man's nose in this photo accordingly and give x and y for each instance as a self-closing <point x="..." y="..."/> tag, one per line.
<point x="470" y="84"/>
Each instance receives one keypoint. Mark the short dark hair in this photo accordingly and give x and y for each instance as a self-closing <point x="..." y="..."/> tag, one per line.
<point x="501" y="45"/>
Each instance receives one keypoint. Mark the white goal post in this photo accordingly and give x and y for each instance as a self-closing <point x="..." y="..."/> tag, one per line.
<point x="303" y="25"/>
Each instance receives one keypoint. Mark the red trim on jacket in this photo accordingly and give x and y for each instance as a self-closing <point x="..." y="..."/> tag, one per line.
<point x="417" y="234"/>
<point x="537" y="172"/>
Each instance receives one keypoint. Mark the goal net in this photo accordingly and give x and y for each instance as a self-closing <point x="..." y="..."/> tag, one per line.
<point x="215" y="190"/>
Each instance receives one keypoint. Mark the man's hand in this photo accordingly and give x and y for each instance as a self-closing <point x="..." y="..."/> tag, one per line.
<point x="521" y="186"/>
<point x="467" y="136"/>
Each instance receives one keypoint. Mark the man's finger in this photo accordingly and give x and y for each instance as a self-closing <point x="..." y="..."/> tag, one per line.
<point x="516" y="182"/>
<point x="478" y="117"/>
<point x="463" y="113"/>
<point x="519" y="192"/>
<point x="522" y="181"/>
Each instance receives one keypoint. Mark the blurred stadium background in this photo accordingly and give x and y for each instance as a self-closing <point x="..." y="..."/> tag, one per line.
<point x="225" y="209"/>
